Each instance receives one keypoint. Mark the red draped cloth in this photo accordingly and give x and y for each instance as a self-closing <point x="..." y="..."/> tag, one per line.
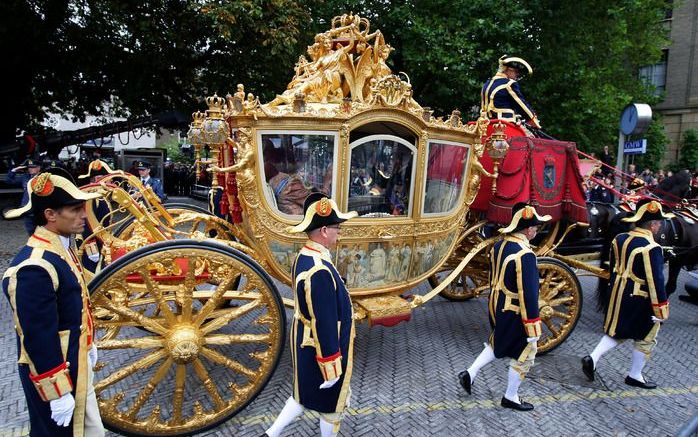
<point x="544" y="173"/>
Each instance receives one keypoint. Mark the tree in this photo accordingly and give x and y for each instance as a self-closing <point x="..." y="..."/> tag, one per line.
<point x="689" y="150"/>
<point x="154" y="55"/>
<point x="140" y="57"/>
<point x="585" y="54"/>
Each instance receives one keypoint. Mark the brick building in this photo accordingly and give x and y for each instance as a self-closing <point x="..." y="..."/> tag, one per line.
<point x="677" y="76"/>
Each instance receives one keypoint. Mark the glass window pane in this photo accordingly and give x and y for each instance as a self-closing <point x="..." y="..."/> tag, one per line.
<point x="296" y="165"/>
<point x="381" y="178"/>
<point x="445" y="173"/>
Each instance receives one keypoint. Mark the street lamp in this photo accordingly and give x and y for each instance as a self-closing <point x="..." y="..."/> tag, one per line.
<point x="497" y="150"/>
<point x="215" y="132"/>
<point x="195" y="137"/>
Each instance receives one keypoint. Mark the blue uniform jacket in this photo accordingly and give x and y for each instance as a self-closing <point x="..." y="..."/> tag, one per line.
<point x="502" y="98"/>
<point x="513" y="302"/>
<point x="322" y="335"/>
<point x="637" y="293"/>
<point x="156" y="184"/>
<point x="47" y="295"/>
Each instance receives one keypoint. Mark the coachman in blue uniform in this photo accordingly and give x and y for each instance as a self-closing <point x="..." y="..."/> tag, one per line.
<point x="156" y="184"/>
<point x="501" y="95"/>
<point x="50" y="305"/>
<point x="322" y="335"/>
<point x="513" y="305"/>
<point x="638" y="302"/>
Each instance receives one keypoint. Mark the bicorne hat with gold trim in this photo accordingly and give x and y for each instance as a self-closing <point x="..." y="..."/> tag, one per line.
<point x="97" y="168"/>
<point x="318" y="211"/>
<point x="518" y="63"/>
<point x="524" y="216"/>
<point x="29" y="162"/>
<point x="648" y="210"/>
<point x="48" y="190"/>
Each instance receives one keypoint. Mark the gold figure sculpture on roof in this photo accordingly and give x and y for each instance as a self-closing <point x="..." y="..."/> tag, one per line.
<point x="343" y="62"/>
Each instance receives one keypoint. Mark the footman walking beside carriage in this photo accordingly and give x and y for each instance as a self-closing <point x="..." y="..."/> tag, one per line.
<point x="50" y="304"/>
<point x="513" y="305"/>
<point x="638" y="302"/>
<point x="322" y="336"/>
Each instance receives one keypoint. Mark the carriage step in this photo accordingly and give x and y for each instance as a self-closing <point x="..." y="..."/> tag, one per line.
<point x="386" y="310"/>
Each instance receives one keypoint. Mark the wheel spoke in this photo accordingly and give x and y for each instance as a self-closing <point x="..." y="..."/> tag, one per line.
<point x="551" y="326"/>
<point x="135" y="343"/>
<point x="562" y="315"/>
<point x="218" y="358"/>
<point x="177" y="402"/>
<point x="155" y="291"/>
<point x="228" y="316"/>
<point x="222" y="339"/>
<point x="149" y="388"/>
<point x="208" y="384"/>
<point x="122" y="373"/>
<point x="189" y="284"/>
<point x="560" y="301"/>
<point x="144" y="321"/>
<point x="213" y="301"/>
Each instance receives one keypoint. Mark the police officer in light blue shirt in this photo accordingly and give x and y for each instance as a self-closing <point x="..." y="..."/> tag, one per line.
<point x="156" y="184"/>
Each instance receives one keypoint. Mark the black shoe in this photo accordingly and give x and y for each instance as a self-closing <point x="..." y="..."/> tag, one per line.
<point x="635" y="383"/>
<point x="588" y="367"/>
<point x="465" y="381"/>
<point x="523" y="406"/>
<point x="688" y="298"/>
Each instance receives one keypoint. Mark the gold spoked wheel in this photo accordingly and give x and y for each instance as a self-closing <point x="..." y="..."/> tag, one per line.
<point x="474" y="279"/>
<point x="560" y="302"/>
<point x="201" y="330"/>
<point x="470" y="283"/>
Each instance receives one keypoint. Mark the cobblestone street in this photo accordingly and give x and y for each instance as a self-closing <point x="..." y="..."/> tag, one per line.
<point x="405" y="377"/>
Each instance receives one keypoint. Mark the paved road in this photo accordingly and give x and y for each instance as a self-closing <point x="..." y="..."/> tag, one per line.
<point x="405" y="378"/>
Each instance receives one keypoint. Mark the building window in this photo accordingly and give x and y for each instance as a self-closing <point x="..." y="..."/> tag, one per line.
<point x="655" y="75"/>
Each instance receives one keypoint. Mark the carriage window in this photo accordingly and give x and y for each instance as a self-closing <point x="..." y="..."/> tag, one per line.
<point x="445" y="173"/>
<point x="295" y="165"/>
<point x="380" y="181"/>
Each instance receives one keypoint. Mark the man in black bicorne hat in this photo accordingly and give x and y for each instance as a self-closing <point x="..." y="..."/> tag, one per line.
<point x="501" y="96"/>
<point x="513" y="305"/>
<point x="322" y="335"/>
<point x="638" y="302"/>
<point x="50" y="304"/>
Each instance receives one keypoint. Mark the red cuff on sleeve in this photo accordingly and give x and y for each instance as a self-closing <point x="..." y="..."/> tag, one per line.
<point x="49" y="373"/>
<point x="330" y="358"/>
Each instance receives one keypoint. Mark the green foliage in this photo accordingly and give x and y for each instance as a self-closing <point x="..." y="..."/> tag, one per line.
<point x="157" y="55"/>
<point x="174" y="152"/>
<point x="689" y="150"/>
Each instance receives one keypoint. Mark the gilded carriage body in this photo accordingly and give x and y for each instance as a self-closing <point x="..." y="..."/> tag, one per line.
<point x="346" y="126"/>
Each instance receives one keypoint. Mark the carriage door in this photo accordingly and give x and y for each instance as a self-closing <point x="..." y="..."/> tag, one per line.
<point x="375" y="250"/>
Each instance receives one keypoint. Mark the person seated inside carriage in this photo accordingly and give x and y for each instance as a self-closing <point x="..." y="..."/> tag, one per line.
<point x="501" y="95"/>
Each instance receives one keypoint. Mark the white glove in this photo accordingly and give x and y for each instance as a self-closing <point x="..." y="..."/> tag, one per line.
<point x="94" y="257"/>
<point x="532" y="339"/>
<point x="330" y="383"/>
<point x="62" y="409"/>
<point x="92" y="356"/>
<point x="658" y="320"/>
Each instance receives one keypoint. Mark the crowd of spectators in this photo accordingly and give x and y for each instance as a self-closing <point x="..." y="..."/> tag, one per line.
<point x="601" y="186"/>
<point x="178" y="179"/>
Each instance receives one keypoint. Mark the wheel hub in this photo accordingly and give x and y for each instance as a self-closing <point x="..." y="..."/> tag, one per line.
<point x="546" y="312"/>
<point x="184" y="344"/>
